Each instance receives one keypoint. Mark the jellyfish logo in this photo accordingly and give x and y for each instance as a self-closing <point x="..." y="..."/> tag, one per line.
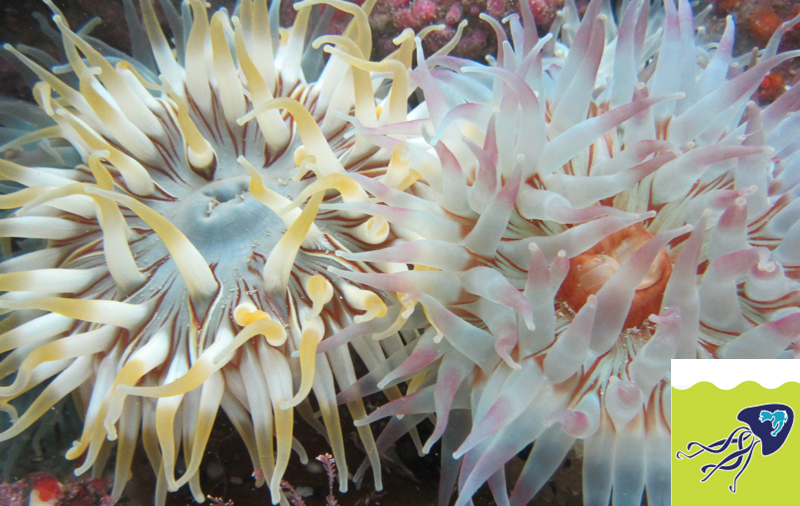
<point x="768" y="425"/>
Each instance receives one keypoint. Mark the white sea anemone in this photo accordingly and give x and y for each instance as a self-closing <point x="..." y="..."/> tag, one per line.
<point x="593" y="204"/>
<point x="174" y="274"/>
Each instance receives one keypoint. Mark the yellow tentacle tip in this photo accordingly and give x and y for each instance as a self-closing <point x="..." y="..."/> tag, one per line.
<point x="320" y="290"/>
<point x="247" y="313"/>
<point x="77" y="449"/>
<point x="299" y="155"/>
<point x="365" y="301"/>
<point x="373" y="231"/>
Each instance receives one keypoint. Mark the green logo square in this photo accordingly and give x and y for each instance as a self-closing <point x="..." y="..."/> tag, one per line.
<point x="736" y="447"/>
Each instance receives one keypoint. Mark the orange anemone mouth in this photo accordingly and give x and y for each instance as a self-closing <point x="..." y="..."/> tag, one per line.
<point x="590" y="270"/>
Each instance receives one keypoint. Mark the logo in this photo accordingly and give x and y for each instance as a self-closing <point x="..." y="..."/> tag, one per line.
<point x="733" y="437"/>
<point x="767" y="426"/>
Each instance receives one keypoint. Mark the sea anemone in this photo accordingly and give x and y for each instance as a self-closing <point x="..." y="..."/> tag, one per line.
<point x="159" y="268"/>
<point x="594" y="203"/>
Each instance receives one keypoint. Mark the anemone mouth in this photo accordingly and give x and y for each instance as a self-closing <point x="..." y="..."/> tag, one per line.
<point x="590" y="270"/>
<point x="223" y="216"/>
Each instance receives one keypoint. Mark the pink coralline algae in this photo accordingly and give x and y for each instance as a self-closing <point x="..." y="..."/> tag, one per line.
<point x="13" y="494"/>
<point x="390" y="17"/>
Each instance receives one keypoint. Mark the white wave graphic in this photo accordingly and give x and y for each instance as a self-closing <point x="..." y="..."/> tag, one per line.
<point x="727" y="374"/>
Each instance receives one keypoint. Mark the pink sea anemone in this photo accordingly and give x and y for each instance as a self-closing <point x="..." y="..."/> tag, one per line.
<point x="160" y="269"/>
<point x="590" y="205"/>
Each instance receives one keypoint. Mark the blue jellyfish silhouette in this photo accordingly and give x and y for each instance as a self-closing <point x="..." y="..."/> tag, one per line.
<point x="767" y="425"/>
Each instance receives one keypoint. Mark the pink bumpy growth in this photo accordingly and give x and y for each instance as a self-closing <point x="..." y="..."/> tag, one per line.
<point x="496" y="8"/>
<point x="423" y="11"/>
<point x="453" y="15"/>
<point x="544" y="11"/>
